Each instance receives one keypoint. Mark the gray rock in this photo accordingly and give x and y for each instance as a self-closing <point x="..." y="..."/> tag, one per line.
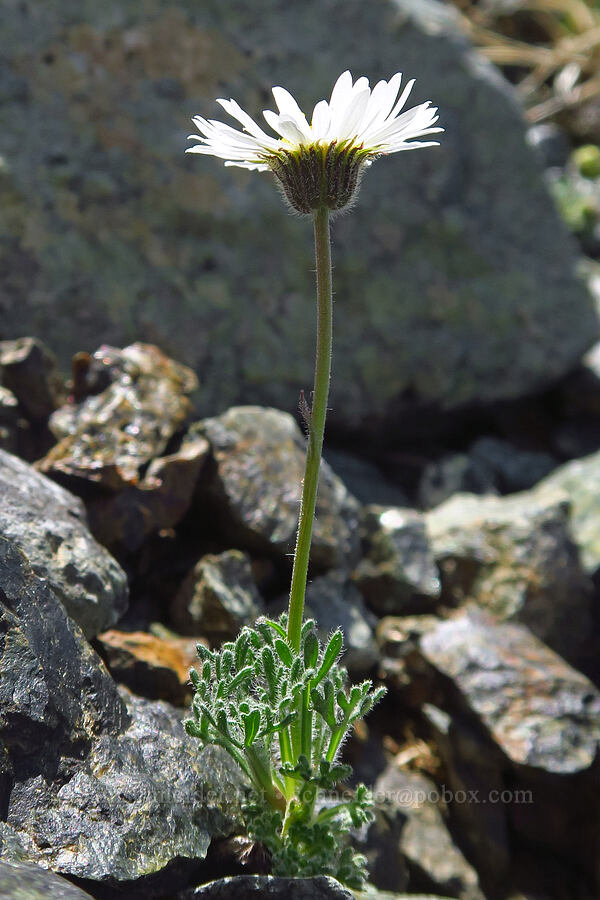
<point x="127" y="405"/>
<point x="29" y="371"/>
<point x="55" y="695"/>
<point x="49" y="525"/>
<point x="579" y="480"/>
<point x="541" y="721"/>
<point x="21" y="881"/>
<point x="143" y="804"/>
<point x="96" y="785"/>
<point x="423" y="840"/>
<point x="243" y="886"/>
<point x="335" y="602"/>
<point x="398" y="573"/>
<point x="217" y="598"/>
<point x="540" y="711"/>
<point x="514" y="556"/>
<point x="491" y="466"/>
<point x="96" y="243"/>
<point x="256" y="488"/>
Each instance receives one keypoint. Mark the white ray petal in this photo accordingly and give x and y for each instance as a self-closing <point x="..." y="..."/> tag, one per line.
<point x="236" y="111"/>
<point x="341" y="89"/>
<point x="321" y="118"/>
<point x="347" y="128"/>
<point x="286" y="126"/>
<point x="287" y="106"/>
<point x="403" y="98"/>
<point x="380" y="107"/>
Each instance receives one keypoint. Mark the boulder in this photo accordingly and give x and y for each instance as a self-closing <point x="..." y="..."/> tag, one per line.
<point x="96" y="785"/>
<point x="122" y="521"/>
<point x="242" y="887"/>
<point x="536" y="726"/>
<point x="515" y="557"/>
<point x="255" y="488"/>
<point x="120" y="234"/>
<point x="49" y="525"/>
<point x="55" y="695"/>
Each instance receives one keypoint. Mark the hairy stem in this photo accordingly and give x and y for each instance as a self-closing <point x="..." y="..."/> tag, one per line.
<point x="316" y="425"/>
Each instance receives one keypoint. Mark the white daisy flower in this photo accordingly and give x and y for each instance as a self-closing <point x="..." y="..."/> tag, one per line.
<point x="320" y="163"/>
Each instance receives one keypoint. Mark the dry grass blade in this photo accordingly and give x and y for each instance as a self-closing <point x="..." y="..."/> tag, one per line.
<point x="550" y="47"/>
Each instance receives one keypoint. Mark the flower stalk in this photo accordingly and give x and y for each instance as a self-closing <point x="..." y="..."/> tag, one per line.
<point x="316" y="424"/>
<point x="278" y="699"/>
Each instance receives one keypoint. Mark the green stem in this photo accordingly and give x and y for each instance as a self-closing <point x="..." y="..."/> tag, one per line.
<point x="263" y="780"/>
<point x="316" y="425"/>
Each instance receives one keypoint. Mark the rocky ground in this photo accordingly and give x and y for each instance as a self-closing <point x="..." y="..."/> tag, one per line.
<point x="130" y="530"/>
<point x="146" y="506"/>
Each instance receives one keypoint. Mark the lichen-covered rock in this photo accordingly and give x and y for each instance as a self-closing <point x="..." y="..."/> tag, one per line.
<point x="411" y="801"/>
<point x="126" y="406"/>
<point x="109" y="229"/>
<point x="397" y="573"/>
<point x="217" y="598"/>
<point x="515" y="557"/>
<point x="22" y="881"/>
<point x="49" y="525"/>
<point x="29" y="370"/>
<point x="153" y="666"/>
<point x="334" y="602"/>
<point x="257" y="484"/>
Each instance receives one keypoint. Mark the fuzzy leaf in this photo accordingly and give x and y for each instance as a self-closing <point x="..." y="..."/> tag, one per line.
<point x="311" y="650"/>
<point x="284" y="653"/>
<point x="251" y="726"/>
<point x="276" y="627"/>
<point x="241" y="650"/>
<point x="332" y="651"/>
<point x="241" y="676"/>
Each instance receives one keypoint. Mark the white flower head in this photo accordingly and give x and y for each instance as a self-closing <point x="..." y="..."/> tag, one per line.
<point x="320" y="163"/>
